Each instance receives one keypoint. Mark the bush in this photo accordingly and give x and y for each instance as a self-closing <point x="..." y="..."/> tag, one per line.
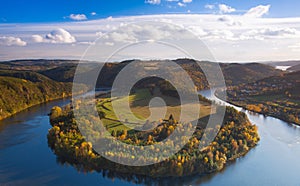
<point x="55" y="112"/>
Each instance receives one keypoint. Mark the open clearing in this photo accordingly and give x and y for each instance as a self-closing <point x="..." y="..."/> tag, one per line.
<point x="140" y="112"/>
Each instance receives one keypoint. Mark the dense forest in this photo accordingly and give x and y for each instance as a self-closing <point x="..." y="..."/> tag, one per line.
<point x="18" y="94"/>
<point x="22" y="86"/>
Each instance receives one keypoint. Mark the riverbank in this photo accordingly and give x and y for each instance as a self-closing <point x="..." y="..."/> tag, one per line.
<point x="14" y="101"/>
<point x="257" y="109"/>
<point x="21" y="90"/>
<point x="33" y="105"/>
<point x="291" y="122"/>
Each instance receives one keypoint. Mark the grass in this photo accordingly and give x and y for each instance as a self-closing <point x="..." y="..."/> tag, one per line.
<point x="139" y="106"/>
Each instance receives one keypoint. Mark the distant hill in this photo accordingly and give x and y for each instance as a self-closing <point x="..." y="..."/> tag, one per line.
<point x="291" y="77"/>
<point x="236" y="74"/>
<point x="64" y="73"/>
<point x="58" y="70"/>
<point x="35" y="64"/>
<point x="27" y="75"/>
<point x="294" y="68"/>
<point x="283" y="63"/>
<point x="63" y="70"/>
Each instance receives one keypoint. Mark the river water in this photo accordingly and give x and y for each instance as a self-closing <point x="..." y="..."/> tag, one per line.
<point x="26" y="159"/>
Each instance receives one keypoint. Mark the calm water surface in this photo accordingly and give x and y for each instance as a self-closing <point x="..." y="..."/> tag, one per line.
<point x="26" y="159"/>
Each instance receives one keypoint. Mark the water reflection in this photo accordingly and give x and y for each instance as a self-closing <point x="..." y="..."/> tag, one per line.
<point x="146" y="180"/>
<point x="196" y="179"/>
<point x="18" y="129"/>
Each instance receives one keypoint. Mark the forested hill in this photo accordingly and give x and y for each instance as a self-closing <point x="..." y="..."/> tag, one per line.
<point x="36" y="64"/>
<point x="234" y="73"/>
<point x="294" y="68"/>
<point x="63" y="70"/>
<point x="23" y="89"/>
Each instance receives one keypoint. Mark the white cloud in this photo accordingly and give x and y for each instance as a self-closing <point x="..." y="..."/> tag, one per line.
<point x="56" y="36"/>
<point x="258" y="11"/>
<point x="109" y="43"/>
<point x="60" y="36"/>
<point x="78" y="17"/>
<point x="93" y="13"/>
<point x="181" y="4"/>
<point x="37" y="38"/>
<point x="87" y="43"/>
<point x="221" y="34"/>
<point x="172" y="0"/>
<point x="282" y="32"/>
<point x="134" y="33"/>
<point x="273" y="33"/>
<point x="226" y="9"/>
<point x="184" y="2"/>
<point x="210" y="6"/>
<point x="99" y="34"/>
<point x="229" y="20"/>
<point x="153" y="2"/>
<point x="256" y="37"/>
<point x="120" y="37"/>
<point x="187" y="1"/>
<point x="295" y="47"/>
<point x="225" y="19"/>
<point x="110" y="18"/>
<point x="199" y="31"/>
<point x="11" y="41"/>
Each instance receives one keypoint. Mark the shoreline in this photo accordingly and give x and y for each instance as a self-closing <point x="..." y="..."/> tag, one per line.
<point x="262" y="113"/>
<point x="266" y="114"/>
<point x="30" y="106"/>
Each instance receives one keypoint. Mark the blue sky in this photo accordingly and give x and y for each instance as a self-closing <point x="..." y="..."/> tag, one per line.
<point x="233" y="30"/>
<point x="26" y="11"/>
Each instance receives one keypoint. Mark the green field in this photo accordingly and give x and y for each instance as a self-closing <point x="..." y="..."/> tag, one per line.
<point x="139" y="105"/>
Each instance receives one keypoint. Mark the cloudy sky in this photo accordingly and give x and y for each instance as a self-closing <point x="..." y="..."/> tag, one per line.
<point x="233" y="31"/>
